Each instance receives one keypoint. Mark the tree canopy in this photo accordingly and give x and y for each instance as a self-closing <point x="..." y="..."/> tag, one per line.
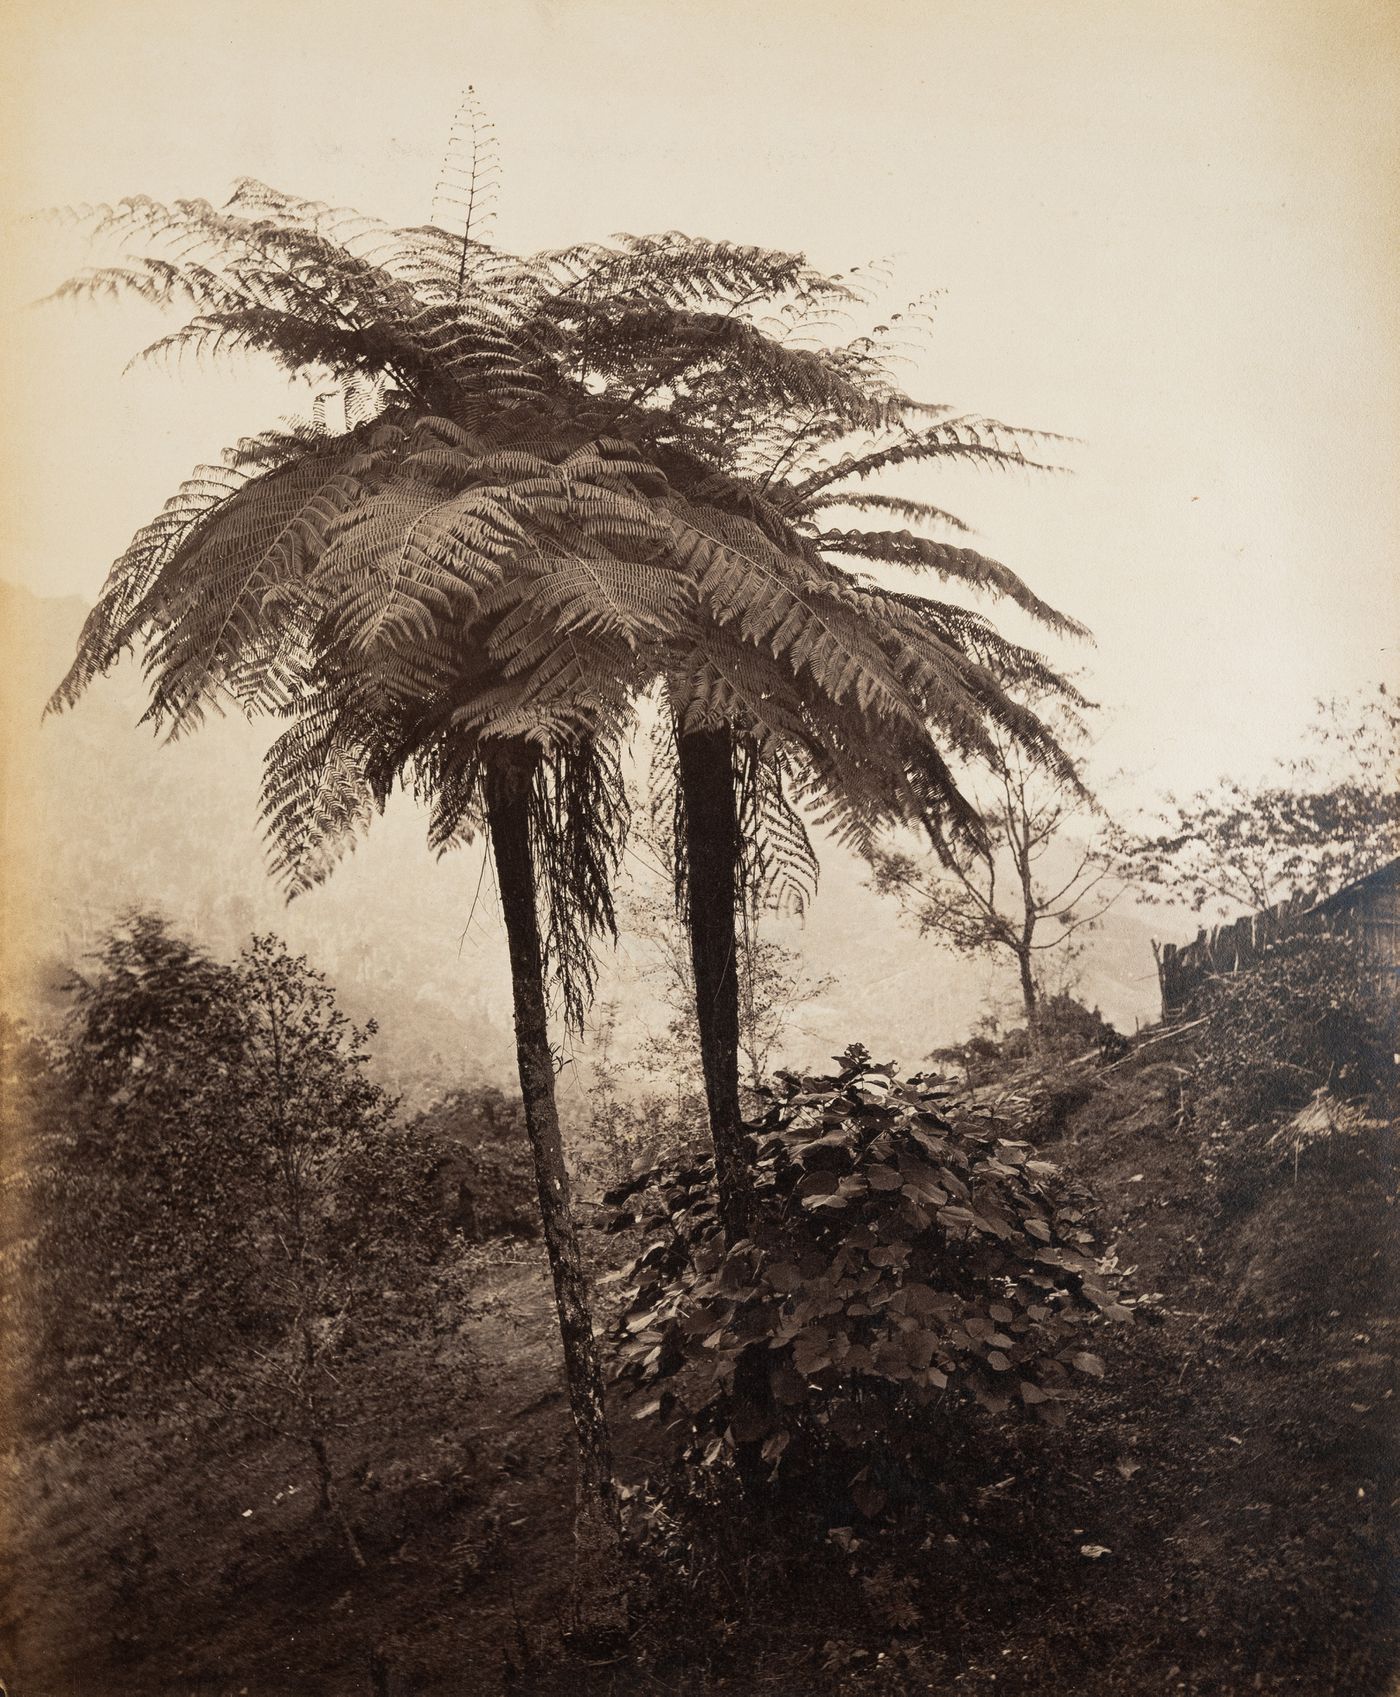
<point x="1316" y="821"/>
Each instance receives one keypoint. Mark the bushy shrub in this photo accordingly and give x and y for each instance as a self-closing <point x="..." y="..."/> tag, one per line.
<point x="1067" y="1029"/>
<point x="905" y="1268"/>
<point x="1304" y="1018"/>
<point x="212" y="1197"/>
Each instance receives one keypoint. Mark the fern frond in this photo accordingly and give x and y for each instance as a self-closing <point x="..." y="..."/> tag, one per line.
<point x="866" y="501"/>
<point x="779" y="866"/>
<point x="579" y="815"/>
<point x="743" y="581"/>
<point x="963" y="565"/>
<point x="662" y="345"/>
<point x="233" y="600"/>
<point x="471" y="172"/>
<point x="673" y="269"/>
<point x="316" y="796"/>
<point x="585" y="593"/>
<point x="200" y="572"/>
<point x="975" y="440"/>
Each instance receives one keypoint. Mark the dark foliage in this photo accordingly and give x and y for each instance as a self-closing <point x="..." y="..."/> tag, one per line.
<point x="211" y="1199"/>
<point x="905" y="1268"/>
<point x="1066" y="1030"/>
<point x="1229" y="1480"/>
<point x="1308" y="1016"/>
<point x="485" y="1185"/>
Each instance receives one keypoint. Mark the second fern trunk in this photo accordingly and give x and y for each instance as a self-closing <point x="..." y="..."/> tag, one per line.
<point x="706" y="770"/>
<point x="508" y="815"/>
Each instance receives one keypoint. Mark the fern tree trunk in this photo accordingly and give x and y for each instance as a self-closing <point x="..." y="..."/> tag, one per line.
<point x="706" y="771"/>
<point x="508" y="815"/>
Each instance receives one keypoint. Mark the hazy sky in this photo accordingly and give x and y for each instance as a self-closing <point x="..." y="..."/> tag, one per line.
<point x="1166" y="228"/>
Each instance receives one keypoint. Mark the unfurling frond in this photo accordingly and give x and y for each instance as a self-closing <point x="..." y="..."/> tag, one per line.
<point x="471" y="175"/>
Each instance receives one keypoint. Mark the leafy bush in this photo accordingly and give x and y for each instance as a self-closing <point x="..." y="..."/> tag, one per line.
<point x="212" y="1199"/>
<point x="1304" y="1018"/>
<point x="904" y="1269"/>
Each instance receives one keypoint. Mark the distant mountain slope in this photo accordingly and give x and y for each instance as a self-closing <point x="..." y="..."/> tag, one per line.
<point x="98" y="817"/>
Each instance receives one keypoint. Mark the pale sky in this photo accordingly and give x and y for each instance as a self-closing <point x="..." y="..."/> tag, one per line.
<point x="1167" y="227"/>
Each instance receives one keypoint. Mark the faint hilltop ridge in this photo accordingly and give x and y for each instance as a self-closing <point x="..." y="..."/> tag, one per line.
<point x="99" y="817"/>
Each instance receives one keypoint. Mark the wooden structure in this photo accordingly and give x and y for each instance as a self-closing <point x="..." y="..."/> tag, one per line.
<point x="1369" y="908"/>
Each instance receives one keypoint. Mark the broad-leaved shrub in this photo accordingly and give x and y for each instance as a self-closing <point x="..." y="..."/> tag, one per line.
<point x="906" y="1268"/>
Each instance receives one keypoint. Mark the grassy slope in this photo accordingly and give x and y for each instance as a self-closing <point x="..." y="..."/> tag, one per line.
<point x="1238" y="1463"/>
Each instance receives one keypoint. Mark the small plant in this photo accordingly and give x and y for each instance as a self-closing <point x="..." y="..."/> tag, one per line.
<point x="905" y="1269"/>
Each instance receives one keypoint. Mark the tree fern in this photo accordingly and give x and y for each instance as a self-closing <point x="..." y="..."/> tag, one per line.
<point x="563" y="477"/>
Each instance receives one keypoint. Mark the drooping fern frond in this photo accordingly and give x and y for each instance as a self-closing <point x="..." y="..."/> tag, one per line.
<point x="317" y="795"/>
<point x="963" y="565"/>
<point x="897" y="506"/>
<point x="778" y="864"/>
<point x="211" y="584"/>
<point x="579" y="816"/>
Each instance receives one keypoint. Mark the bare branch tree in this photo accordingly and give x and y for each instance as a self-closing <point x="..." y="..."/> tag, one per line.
<point x="1042" y="875"/>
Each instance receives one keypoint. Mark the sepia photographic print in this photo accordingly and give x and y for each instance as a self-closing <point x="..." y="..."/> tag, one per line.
<point x="701" y="848"/>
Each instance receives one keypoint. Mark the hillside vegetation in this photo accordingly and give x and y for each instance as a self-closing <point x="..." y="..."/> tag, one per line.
<point x="1216" y="1516"/>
